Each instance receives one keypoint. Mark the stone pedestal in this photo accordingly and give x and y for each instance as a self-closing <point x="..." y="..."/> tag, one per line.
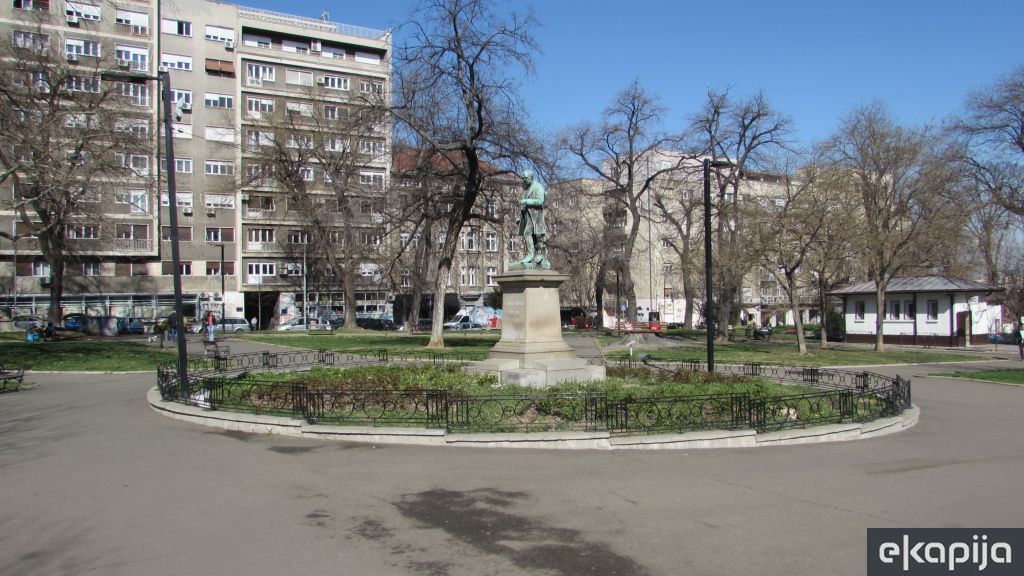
<point x="531" y="350"/>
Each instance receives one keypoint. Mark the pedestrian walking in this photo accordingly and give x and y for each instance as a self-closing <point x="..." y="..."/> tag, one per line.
<point x="210" y="322"/>
<point x="1018" y="337"/>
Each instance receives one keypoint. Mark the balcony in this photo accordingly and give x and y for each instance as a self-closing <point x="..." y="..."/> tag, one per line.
<point x="262" y="247"/>
<point x="131" y="245"/>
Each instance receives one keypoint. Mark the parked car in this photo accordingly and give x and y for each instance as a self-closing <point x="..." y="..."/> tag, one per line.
<point x="130" y="326"/>
<point x="74" y="321"/>
<point x="300" y="324"/>
<point x="233" y="325"/>
<point x="28" y="321"/>
<point x="763" y="333"/>
<point x="465" y="325"/>
<point x="377" y="324"/>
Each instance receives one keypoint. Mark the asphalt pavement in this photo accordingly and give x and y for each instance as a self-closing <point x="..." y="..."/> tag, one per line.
<point x="96" y="482"/>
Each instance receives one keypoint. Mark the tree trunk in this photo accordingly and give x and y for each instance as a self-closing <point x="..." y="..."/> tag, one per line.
<point x="879" y="317"/>
<point x="794" y="305"/>
<point x="56" y="290"/>
<point x="688" y="296"/>
<point x="437" y="328"/>
<point x="823" y="311"/>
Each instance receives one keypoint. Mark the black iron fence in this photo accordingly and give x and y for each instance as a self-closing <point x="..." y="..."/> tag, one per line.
<point x="224" y="384"/>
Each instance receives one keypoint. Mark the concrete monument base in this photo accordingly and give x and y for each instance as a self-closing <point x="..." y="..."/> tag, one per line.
<point x="531" y="351"/>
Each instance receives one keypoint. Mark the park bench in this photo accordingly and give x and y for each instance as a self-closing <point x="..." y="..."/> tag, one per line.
<point x="11" y="379"/>
<point x="642" y="327"/>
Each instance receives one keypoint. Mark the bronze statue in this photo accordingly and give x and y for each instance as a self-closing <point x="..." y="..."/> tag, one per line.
<point x="531" y="224"/>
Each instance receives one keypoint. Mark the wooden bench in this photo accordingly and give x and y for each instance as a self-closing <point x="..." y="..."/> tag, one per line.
<point x="216" y="350"/>
<point x="642" y="327"/>
<point x="11" y="379"/>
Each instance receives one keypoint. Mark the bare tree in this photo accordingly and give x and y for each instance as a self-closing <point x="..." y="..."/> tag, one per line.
<point x="457" y="97"/>
<point x="746" y="134"/>
<point x="67" y="135"/>
<point x="680" y="211"/>
<point x="629" y="153"/>
<point x="315" y="152"/>
<point x="900" y="177"/>
<point x="784" y="228"/>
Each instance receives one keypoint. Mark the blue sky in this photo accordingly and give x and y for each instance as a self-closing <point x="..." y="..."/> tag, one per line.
<point x="814" y="60"/>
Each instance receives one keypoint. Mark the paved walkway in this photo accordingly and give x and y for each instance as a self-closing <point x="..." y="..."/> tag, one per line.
<point x="95" y="482"/>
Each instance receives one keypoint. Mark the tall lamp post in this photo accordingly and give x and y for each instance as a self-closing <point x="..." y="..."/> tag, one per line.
<point x="223" y="303"/>
<point x="164" y="79"/>
<point x="709" y="320"/>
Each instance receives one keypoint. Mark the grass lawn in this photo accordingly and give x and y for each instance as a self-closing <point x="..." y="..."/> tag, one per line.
<point x="786" y="354"/>
<point x="105" y="355"/>
<point x="1011" y="376"/>
<point x="342" y="341"/>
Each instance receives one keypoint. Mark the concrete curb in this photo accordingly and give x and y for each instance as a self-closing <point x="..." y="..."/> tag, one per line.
<point x="599" y="440"/>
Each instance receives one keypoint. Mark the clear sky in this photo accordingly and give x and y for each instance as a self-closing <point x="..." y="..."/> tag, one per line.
<point x="815" y="60"/>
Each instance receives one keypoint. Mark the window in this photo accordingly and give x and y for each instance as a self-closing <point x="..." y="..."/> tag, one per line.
<point x="261" y="269"/>
<point x="371" y="147"/>
<point x="131" y="231"/>
<point x="80" y="47"/>
<point x="137" y="164"/>
<point x="299" y="141"/>
<point x="370" y="239"/>
<point x="83" y="231"/>
<point x="300" y="46"/>
<point x="167" y="268"/>
<point x="895" y="306"/>
<point x="184" y="233"/>
<point x="90" y="268"/>
<point x="256" y="40"/>
<point x="81" y="11"/>
<point x="137" y="199"/>
<point x="469" y="240"/>
<point x="219" y="235"/>
<point x="334" y="112"/>
<point x="306" y="173"/>
<point x="909" y="312"/>
<point x="176" y="61"/>
<point x="858" y="310"/>
<point x="491" y="241"/>
<point x="406" y="279"/>
<point x="298" y="77"/>
<point x="258" y="106"/>
<point x="298" y="237"/>
<point x="137" y="94"/>
<point x="218" y="168"/>
<point x="184" y="96"/>
<point x="41" y="268"/>
<point x="335" y="144"/>
<point x="31" y="40"/>
<point x="933" y="310"/>
<point x="257" y="74"/>
<point x="260" y="235"/>
<point x="82" y="84"/>
<point x="253" y="140"/>
<point x="336" y="82"/>
<point x="213" y="268"/>
<point x="300" y="108"/>
<point x="219" y="33"/>
<point x="222" y="201"/>
<point x="132" y="56"/>
<point x="368" y="87"/>
<point x="38" y="5"/>
<point x="213" y="100"/>
<point x="183" y="165"/>
<point x="136" y="23"/>
<point x="469" y="276"/>
<point x="176" y="27"/>
<point x="135" y="126"/>
<point x="372" y="179"/>
<point x="490" y="206"/>
<point x="492" y="272"/>
<point x="182" y="199"/>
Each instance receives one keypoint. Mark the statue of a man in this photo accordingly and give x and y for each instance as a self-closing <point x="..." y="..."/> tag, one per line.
<point x="531" y="223"/>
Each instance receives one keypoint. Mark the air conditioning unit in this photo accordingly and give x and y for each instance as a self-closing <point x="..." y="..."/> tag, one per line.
<point x="320" y="80"/>
<point x="72" y="57"/>
<point x="124" y="64"/>
<point x="72" y="18"/>
<point x="186" y="107"/>
<point x="229" y="44"/>
<point x="163" y="69"/>
<point x="186" y="211"/>
<point x="210" y="212"/>
<point x="245" y="197"/>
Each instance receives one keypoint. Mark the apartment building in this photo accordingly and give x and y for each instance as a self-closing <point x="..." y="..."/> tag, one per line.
<point x="230" y="68"/>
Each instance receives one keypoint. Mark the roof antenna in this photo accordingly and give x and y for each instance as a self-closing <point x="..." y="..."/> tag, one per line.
<point x="325" y="15"/>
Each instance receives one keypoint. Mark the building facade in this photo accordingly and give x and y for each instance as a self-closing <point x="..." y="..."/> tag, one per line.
<point x="230" y="68"/>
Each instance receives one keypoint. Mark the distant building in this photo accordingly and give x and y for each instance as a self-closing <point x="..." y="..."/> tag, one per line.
<point x="922" y="310"/>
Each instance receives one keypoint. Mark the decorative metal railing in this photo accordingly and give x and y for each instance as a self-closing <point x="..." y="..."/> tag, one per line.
<point x="227" y="383"/>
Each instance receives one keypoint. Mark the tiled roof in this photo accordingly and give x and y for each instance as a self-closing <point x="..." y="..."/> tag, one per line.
<point x="919" y="284"/>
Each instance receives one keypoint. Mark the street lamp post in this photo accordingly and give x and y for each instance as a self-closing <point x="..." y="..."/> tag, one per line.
<point x="709" y="320"/>
<point x="164" y="79"/>
<point x="223" y="303"/>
